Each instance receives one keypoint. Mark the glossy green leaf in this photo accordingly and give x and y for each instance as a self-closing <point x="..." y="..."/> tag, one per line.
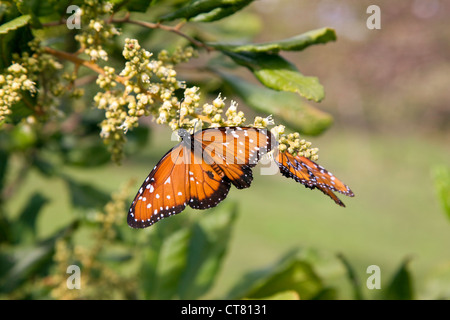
<point x="401" y="285"/>
<point x="295" y="275"/>
<point x="291" y="109"/>
<point x="15" y="23"/>
<point x="276" y="73"/>
<point x="296" y="43"/>
<point x="207" y="10"/>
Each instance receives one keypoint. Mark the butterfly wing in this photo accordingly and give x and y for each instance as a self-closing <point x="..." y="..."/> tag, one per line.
<point x="290" y="167"/>
<point x="164" y="191"/>
<point x="233" y="151"/>
<point x="324" y="178"/>
<point x="311" y="175"/>
<point x="207" y="187"/>
<point x="179" y="179"/>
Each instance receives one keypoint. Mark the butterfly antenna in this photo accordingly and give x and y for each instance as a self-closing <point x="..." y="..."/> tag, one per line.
<point x="179" y="114"/>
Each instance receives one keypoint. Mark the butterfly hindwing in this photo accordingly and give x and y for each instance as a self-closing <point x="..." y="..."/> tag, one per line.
<point x="207" y="186"/>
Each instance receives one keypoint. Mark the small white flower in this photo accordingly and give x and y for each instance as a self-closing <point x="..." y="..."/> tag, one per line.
<point x="278" y="130"/>
<point x="97" y="26"/>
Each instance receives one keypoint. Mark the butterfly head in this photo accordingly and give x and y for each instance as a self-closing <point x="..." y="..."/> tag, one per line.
<point x="184" y="134"/>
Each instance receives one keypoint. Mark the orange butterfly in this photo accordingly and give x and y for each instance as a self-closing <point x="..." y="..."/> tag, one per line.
<point x="199" y="171"/>
<point x="312" y="175"/>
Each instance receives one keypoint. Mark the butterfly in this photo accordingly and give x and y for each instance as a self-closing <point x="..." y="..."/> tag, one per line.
<point x="312" y="175"/>
<point x="199" y="171"/>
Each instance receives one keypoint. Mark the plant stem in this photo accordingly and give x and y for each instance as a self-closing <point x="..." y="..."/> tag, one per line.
<point x="80" y="62"/>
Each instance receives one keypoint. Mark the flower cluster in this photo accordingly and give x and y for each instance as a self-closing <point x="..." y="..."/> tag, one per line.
<point x="12" y="83"/>
<point x="287" y="142"/>
<point x="20" y="79"/>
<point x="95" y="31"/>
<point x="293" y="144"/>
<point x="149" y="87"/>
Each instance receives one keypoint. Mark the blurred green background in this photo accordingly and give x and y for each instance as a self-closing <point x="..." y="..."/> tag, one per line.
<point x="387" y="91"/>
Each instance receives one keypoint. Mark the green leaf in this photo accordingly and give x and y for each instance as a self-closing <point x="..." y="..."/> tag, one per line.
<point x="442" y="184"/>
<point x="208" y="244"/>
<point x="88" y="153"/>
<point x="15" y="36"/>
<point x="85" y="196"/>
<point x="19" y="264"/>
<point x="291" y="109"/>
<point x="172" y="261"/>
<point x="26" y="223"/>
<point x="401" y="286"/>
<point x="354" y="280"/>
<point x="44" y="166"/>
<point x="207" y="10"/>
<point x="296" y="43"/>
<point x="184" y="263"/>
<point x="284" y="295"/>
<point x="15" y="24"/>
<point x="4" y="157"/>
<point x="276" y="73"/>
<point x="133" y="5"/>
<point x="293" y="274"/>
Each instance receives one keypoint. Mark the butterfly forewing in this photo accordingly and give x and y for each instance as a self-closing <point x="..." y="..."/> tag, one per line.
<point x="235" y="150"/>
<point x="164" y="192"/>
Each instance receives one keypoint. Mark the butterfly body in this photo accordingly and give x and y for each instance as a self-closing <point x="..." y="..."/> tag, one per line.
<point x="199" y="171"/>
